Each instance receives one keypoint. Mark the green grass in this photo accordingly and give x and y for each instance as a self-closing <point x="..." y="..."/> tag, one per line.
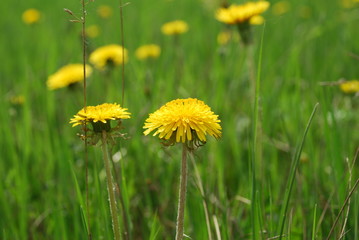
<point x="42" y="166"/>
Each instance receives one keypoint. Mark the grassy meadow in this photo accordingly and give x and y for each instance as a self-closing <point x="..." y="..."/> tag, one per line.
<point x="238" y="186"/>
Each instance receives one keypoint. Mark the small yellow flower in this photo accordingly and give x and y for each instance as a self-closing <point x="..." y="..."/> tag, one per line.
<point x="17" y="99"/>
<point x="104" y="11"/>
<point x="108" y="55"/>
<point x="92" y="31"/>
<point x="235" y="14"/>
<point x="348" y="3"/>
<point x="174" y="27"/>
<point x="100" y="113"/>
<point x="31" y="16"/>
<point x="350" y="86"/>
<point x="68" y="75"/>
<point x="224" y="37"/>
<point x="148" y="51"/>
<point x="257" y="20"/>
<point x="281" y="7"/>
<point x="183" y="120"/>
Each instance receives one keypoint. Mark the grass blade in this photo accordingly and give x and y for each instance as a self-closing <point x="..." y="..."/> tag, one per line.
<point x="293" y="170"/>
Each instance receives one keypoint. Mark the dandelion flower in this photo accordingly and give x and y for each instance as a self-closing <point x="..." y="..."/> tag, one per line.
<point x="31" y="16"/>
<point x="148" y="51"/>
<point x="92" y="31"/>
<point x="183" y="120"/>
<point x="350" y="86"/>
<point x="235" y="14"/>
<point x="67" y="75"/>
<point x="17" y="100"/>
<point x="108" y="55"/>
<point x="174" y="28"/>
<point x="104" y="11"/>
<point x="100" y="114"/>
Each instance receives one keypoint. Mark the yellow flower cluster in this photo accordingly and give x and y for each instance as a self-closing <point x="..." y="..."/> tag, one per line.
<point x="350" y="86"/>
<point x="31" y="16"/>
<point x="100" y="113"/>
<point x="174" y="28"/>
<point x="107" y="55"/>
<point x="67" y="75"/>
<point x="185" y="120"/>
<point x="148" y="51"/>
<point x="235" y="14"/>
<point x="92" y="31"/>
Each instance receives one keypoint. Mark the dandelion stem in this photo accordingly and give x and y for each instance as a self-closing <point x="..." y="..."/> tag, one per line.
<point x="110" y="188"/>
<point x="182" y="195"/>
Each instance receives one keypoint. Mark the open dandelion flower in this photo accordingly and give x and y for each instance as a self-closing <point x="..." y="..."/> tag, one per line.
<point x="174" y="28"/>
<point x="31" y="16"/>
<point x="184" y="120"/>
<point x="100" y="113"/>
<point x="148" y="51"/>
<point x="67" y="75"/>
<point x="109" y="55"/>
<point x="235" y="14"/>
<point x="350" y="86"/>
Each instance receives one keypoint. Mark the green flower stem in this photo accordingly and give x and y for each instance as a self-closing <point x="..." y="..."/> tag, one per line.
<point x="110" y="188"/>
<point x="182" y="195"/>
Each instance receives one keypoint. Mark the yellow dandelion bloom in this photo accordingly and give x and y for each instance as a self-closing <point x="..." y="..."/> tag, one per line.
<point x="174" y="27"/>
<point x="92" y="31"/>
<point x="281" y="8"/>
<point x="68" y="75"/>
<point x="348" y="3"/>
<point x="148" y="51"/>
<point x="104" y="11"/>
<point x="17" y="99"/>
<point x="31" y="16"/>
<point x="185" y="120"/>
<point x="108" y="55"/>
<point x="350" y="86"/>
<point x="235" y="14"/>
<point x="100" y="113"/>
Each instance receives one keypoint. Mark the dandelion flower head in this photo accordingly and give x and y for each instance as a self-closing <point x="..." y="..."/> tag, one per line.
<point x="31" y="16"/>
<point x="174" y="28"/>
<point x="183" y="120"/>
<point x="148" y="51"/>
<point x="68" y="75"/>
<point x="100" y="113"/>
<point x="235" y="14"/>
<point x="108" y="55"/>
<point x="350" y="86"/>
<point x="104" y="11"/>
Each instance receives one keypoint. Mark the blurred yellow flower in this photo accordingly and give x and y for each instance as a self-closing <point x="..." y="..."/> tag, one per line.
<point x="148" y="51"/>
<point x="67" y="76"/>
<point x="100" y="113"/>
<point x="104" y="11"/>
<point x="183" y="120"/>
<point x="236" y="14"/>
<point x="108" y="55"/>
<point x="174" y="27"/>
<point x="350" y="86"/>
<point x="31" y="16"/>
<point x="348" y="3"/>
<point x="17" y="99"/>
<point x="224" y="37"/>
<point x="257" y="20"/>
<point x="92" y="31"/>
<point x="304" y="12"/>
<point x="281" y="7"/>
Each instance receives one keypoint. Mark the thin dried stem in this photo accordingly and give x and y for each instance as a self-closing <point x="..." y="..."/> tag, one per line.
<point x="182" y="195"/>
